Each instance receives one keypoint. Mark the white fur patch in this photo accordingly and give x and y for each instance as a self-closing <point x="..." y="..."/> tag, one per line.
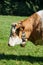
<point x="40" y="13"/>
<point x="14" y="41"/>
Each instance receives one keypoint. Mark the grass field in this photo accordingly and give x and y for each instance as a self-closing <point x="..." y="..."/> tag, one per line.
<point x="28" y="55"/>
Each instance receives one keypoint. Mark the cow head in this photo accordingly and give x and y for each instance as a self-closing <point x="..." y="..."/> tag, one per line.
<point x="14" y="38"/>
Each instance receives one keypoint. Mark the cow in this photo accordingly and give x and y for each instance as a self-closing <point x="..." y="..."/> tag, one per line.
<point x="27" y="29"/>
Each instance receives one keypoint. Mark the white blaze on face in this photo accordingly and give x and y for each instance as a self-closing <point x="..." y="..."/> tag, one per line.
<point x="13" y="30"/>
<point x="14" y="41"/>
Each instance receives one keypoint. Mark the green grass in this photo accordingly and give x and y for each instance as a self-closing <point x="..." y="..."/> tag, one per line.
<point x="28" y="55"/>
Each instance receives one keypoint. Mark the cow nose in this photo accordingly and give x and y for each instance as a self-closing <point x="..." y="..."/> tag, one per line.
<point x="8" y="44"/>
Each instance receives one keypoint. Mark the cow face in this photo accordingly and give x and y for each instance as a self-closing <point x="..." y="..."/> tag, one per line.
<point x="14" y="38"/>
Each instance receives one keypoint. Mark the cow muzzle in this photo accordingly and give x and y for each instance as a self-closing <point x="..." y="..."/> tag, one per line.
<point x="14" y="41"/>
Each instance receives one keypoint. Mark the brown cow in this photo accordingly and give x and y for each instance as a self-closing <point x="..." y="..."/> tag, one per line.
<point x="30" y="28"/>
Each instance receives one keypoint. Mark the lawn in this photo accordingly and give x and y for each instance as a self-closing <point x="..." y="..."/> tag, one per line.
<point x="28" y="55"/>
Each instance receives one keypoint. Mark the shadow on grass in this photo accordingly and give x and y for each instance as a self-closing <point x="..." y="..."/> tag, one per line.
<point x="21" y="57"/>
